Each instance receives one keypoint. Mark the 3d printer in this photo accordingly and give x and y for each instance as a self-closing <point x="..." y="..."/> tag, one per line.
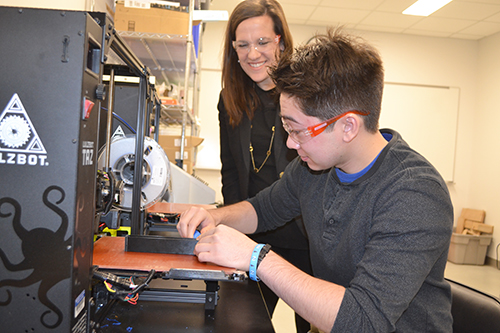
<point x="64" y="175"/>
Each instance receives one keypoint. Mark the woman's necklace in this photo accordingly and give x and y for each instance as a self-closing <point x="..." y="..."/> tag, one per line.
<point x="267" y="154"/>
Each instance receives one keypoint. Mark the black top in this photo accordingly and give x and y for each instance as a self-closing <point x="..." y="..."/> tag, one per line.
<point x="261" y="135"/>
<point x="239" y="181"/>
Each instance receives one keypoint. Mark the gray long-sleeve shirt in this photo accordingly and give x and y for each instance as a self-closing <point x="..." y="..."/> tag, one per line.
<point x="385" y="237"/>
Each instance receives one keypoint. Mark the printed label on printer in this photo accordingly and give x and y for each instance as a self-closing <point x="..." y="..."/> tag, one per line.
<point x="87" y="152"/>
<point x="79" y="303"/>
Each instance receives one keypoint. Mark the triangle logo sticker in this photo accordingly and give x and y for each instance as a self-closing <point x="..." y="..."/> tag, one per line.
<point x="17" y="133"/>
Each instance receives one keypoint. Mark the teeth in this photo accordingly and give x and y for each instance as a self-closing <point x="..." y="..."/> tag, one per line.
<point x="257" y="65"/>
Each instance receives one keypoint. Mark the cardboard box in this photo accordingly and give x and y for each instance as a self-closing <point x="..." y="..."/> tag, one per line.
<point x="460" y="225"/>
<point x="468" y="214"/>
<point x="480" y="227"/>
<point x="468" y="249"/>
<point x="473" y="214"/>
<point x="171" y="144"/>
<point x="172" y="141"/>
<point x="152" y="20"/>
<point x="174" y="154"/>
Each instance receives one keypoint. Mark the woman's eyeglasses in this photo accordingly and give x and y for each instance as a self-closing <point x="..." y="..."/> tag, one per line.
<point x="262" y="45"/>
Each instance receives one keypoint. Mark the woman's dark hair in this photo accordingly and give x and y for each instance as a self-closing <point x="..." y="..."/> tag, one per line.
<point x="238" y="90"/>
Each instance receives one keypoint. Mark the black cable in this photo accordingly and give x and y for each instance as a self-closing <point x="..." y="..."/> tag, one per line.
<point x="120" y="119"/>
<point x="140" y="287"/>
<point x="109" y="204"/>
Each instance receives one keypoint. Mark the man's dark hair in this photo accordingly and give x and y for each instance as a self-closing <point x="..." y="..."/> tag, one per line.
<point x="332" y="74"/>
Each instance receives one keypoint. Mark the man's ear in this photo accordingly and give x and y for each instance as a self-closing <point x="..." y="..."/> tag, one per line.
<point x="351" y="126"/>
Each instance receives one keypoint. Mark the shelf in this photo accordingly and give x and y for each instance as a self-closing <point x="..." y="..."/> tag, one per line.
<point x="171" y="59"/>
<point x="173" y="114"/>
<point x="164" y="55"/>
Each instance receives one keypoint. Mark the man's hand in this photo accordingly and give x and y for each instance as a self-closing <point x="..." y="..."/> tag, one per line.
<point x="225" y="246"/>
<point x="222" y="240"/>
<point x="193" y="218"/>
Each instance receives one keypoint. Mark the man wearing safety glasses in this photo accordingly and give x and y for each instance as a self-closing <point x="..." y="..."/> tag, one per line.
<point x="378" y="215"/>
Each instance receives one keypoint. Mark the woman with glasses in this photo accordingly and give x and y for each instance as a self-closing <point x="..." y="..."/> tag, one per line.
<point x="252" y="138"/>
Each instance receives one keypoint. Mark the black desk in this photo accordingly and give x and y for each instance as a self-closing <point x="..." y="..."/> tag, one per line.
<point x="240" y="307"/>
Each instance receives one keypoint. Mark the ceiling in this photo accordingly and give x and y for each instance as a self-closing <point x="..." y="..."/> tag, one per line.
<point x="464" y="19"/>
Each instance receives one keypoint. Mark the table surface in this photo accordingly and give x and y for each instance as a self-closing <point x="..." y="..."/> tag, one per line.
<point x="109" y="253"/>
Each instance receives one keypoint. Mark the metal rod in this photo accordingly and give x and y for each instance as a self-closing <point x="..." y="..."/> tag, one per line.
<point x="109" y="124"/>
<point x="157" y="108"/>
<point x="187" y="72"/>
<point x="123" y="51"/>
<point x="137" y="224"/>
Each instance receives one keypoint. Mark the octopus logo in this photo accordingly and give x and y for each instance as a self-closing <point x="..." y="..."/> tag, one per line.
<point x="44" y="261"/>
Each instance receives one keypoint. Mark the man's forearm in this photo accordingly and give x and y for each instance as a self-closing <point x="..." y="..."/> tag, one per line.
<point x="316" y="300"/>
<point x="240" y="216"/>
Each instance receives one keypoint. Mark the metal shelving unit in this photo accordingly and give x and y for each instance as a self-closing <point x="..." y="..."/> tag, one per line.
<point x="171" y="59"/>
<point x="163" y="54"/>
<point x="174" y="115"/>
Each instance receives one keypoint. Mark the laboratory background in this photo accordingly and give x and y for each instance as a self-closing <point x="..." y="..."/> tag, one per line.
<point x="442" y="93"/>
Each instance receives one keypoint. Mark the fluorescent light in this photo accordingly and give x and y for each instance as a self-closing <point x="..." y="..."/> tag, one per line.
<point x="425" y="7"/>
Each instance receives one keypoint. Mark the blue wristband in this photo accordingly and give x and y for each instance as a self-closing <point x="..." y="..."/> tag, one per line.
<point x="253" y="262"/>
